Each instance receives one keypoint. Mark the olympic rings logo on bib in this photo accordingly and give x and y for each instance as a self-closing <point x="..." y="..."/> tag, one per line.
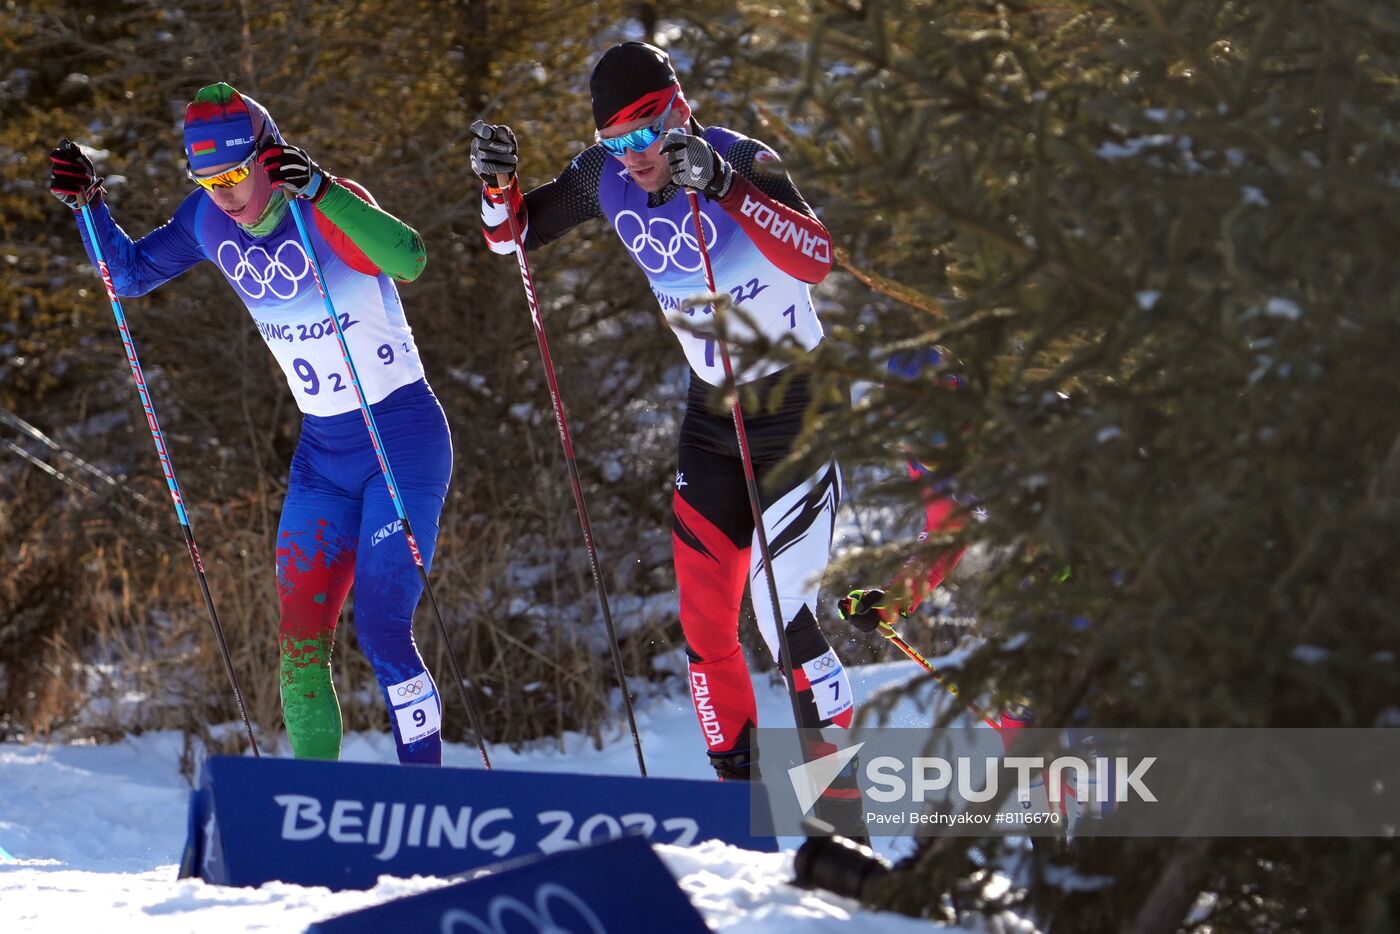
<point x="661" y="242"/>
<point x="258" y="273"/>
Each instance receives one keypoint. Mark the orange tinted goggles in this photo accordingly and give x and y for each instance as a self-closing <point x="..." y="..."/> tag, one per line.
<point x="225" y="179"/>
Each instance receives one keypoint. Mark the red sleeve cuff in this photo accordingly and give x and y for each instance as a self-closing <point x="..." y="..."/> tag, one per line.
<point x="494" y="218"/>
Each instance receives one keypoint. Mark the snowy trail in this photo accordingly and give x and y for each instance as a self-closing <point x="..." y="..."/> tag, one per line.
<point x="95" y="833"/>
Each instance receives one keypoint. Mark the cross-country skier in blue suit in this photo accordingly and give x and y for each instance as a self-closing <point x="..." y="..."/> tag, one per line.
<point x="338" y="523"/>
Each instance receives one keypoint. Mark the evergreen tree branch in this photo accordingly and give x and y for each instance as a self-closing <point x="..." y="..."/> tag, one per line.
<point x="890" y="288"/>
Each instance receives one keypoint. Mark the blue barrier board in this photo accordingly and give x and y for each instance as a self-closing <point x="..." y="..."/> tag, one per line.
<point x="343" y="825"/>
<point x="620" y="886"/>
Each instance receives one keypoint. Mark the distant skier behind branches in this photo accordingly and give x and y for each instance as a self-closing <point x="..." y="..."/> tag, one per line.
<point x="867" y="607"/>
<point x="767" y="248"/>
<point x="338" y="522"/>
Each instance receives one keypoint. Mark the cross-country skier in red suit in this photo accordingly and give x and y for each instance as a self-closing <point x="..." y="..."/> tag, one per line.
<point x="767" y="248"/>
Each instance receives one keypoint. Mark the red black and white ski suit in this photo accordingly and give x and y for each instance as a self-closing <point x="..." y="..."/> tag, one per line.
<point x="766" y="247"/>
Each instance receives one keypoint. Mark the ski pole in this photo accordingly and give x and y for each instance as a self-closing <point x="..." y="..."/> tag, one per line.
<point x="888" y="631"/>
<point x="169" y="469"/>
<point x="503" y="181"/>
<point x="78" y="485"/>
<point x="112" y="484"/>
<point x="394" y="496"/>
<point x="746" y="457"/>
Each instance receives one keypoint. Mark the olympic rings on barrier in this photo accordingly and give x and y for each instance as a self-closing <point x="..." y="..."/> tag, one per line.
<point x="548" y="898"/>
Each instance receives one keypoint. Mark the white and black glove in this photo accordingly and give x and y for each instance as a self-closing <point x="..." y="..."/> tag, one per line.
<point x="696" y="165"/>
<point x="291" y="169"/>
<point x="494" y="152"/>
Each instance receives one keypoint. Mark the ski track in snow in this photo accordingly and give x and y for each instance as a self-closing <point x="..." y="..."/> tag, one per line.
<point x="96" y="832"/>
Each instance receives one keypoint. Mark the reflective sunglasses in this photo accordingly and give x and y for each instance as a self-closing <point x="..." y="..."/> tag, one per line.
<point x="640" y="139"/>
<point x="225" y="179"/>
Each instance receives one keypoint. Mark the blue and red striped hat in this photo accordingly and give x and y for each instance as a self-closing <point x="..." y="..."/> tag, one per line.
<point x="219" y="127"/>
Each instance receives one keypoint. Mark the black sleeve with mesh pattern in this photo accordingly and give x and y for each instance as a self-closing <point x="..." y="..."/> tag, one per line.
<point x="775" y="184"/>
<point x="557" y="207"/>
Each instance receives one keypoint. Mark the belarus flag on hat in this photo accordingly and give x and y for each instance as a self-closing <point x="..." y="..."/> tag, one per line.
<point x="218" y="128"/>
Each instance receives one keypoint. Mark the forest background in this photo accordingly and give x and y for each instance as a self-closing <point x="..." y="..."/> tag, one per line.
<point x="1157" y="239"/>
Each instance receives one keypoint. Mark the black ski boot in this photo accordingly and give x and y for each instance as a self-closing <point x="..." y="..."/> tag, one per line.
<point x="842" y="806"/>
<point x="741" y="765"/>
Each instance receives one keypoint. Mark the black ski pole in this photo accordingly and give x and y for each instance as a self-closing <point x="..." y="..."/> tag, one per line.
<point x="755" y="505"/>
<point x="169" y="471"/>
<point x="111" y="482"/>
<point x="503" y="181"/>
<point x="472" y="717"/>
<point x="76" y="484"/>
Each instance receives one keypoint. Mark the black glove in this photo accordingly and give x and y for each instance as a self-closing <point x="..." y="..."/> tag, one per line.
<point x="73" y="178"/>
<point x="866" y="609"/>
<point x="494" y="152"/>
<point x="291" y="169"/>
<point x="696" y="165"/>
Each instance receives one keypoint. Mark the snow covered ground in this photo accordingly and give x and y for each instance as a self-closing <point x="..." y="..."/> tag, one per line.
<point x="94" y="835"/>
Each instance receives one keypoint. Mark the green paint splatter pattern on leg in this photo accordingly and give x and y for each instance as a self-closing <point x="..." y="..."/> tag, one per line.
<point x="309" y="703"/>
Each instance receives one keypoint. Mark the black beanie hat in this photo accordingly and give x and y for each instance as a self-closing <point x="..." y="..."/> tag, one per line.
<point x="631" y="81"/>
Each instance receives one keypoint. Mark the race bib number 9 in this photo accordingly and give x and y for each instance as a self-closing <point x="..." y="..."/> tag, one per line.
<point x="416" y="708"/>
